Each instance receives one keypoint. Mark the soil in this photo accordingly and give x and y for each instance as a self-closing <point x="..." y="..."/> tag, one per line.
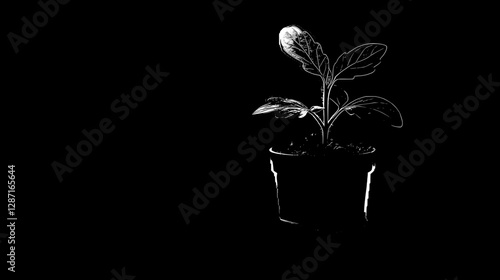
<point x="308" y="147"/>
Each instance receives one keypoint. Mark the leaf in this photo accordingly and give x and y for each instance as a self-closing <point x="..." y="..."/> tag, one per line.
<point x="369" y="105"/>
<point x="338" y="96"/>
<point x="266" y="108"/>
<point x="301" y="46"/>
<point x="358" y="62"/>
<point x="284" y="107"/>
<point x="288" y="112"/>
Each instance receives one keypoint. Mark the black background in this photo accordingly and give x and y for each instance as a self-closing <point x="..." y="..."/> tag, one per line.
<point x="119" y="207"/>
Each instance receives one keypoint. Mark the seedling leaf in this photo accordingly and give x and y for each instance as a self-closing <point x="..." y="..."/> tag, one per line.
<point x="360" y="61"/>
<point x="368" y="105"/>
<point x="284" y="107"/>
<point x="301" y="46"/>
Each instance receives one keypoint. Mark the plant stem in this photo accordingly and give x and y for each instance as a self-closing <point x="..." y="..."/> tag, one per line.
<point x="332" y="120"/>
<point x="324" y="136"/>
<point x="327" y="108"/>
<point x="319" y="122"/>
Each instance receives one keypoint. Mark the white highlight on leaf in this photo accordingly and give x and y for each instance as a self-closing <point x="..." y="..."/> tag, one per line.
<point x="286" y="38"/>
<point x="301" y="46"/>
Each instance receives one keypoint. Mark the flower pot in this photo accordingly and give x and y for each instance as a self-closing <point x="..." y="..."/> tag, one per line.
<point x="329" y="191"/>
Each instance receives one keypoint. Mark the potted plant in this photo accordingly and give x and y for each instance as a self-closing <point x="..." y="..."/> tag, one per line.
<point x="321" y="182"/>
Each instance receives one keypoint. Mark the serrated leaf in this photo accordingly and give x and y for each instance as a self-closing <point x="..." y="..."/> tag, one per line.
<point x="375" y="105"/>
<point x="301" y="46"/>
<point x="360" y="61"/>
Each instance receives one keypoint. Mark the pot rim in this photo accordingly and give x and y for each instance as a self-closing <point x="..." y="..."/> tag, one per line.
<point x="372" y="150"/>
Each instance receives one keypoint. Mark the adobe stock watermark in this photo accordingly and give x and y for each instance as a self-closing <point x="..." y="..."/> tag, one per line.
<point x="373" y="28"/>
<point x="453" y="118"/>
<point x="223" y="6"/>
<point x="121" y="107"/>
<point x="49" y="8"/>
<point x="310" y="264"/>
<point x="220" y="180"/>
<point x="122" y="276"/>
